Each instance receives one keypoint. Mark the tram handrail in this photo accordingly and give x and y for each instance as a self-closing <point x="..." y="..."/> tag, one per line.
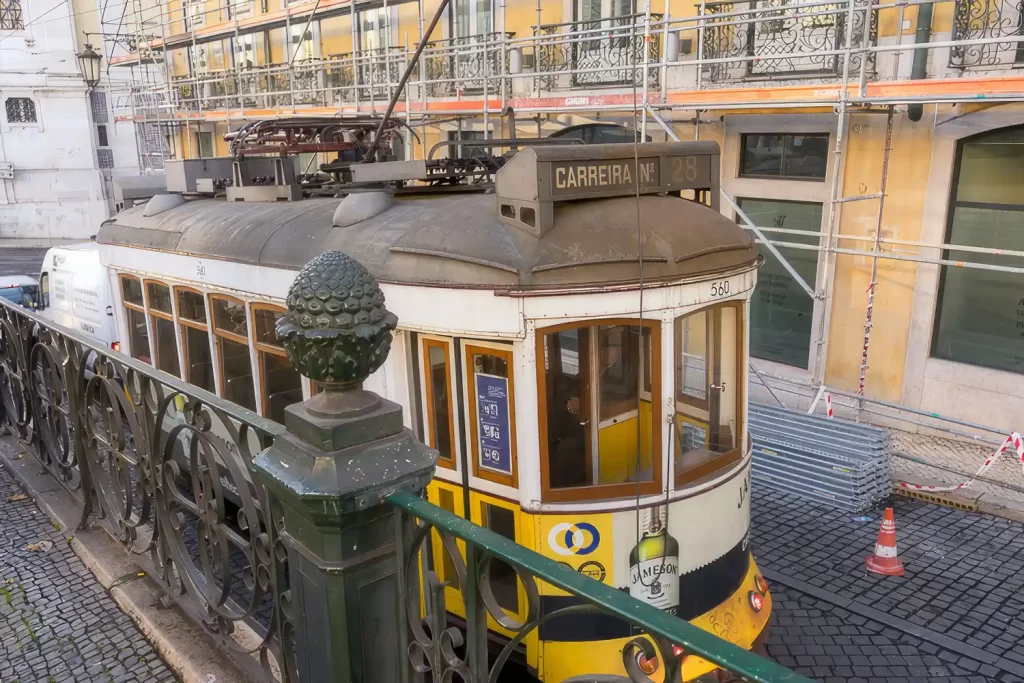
<point x="665" y="628"/>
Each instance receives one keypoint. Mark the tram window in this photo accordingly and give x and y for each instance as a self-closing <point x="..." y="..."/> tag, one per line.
<point x="131" y="289"/>
<point x="446" y="501"/>
<point x="503" y="578"/>
<point x="709" y="389"/>
<point x="135" y="318"/>
<point x="279" y="381"/>
<point x="598" y="412"/>
<point x="195" y="339"/>
<point x="492" y="413"/>
<point x="440" y="414"/>
<point x="165" y="341"/>
<point x="138" y="335"/>
<point x="191" y="306"/>
<point x="232" y="332"/>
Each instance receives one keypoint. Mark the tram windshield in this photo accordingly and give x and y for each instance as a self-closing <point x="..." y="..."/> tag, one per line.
<point x="600" y="400"/>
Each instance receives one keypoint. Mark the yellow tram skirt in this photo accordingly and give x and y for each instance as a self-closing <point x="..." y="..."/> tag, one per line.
<point x="733" y="620"/>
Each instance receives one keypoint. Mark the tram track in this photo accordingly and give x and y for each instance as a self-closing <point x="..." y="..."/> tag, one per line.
<point x="932" y="636"/>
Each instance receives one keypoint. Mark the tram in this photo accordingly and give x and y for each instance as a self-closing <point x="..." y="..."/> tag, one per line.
<point x="572" y="340"/>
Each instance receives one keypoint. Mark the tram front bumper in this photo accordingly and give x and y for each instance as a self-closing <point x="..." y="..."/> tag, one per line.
<point x="734" y="620"/>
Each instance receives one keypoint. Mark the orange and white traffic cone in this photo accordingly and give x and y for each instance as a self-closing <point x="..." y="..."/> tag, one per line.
<point x="884" y="560"/>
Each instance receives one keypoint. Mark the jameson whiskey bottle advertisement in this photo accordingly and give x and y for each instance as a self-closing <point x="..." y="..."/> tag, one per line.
<point x="654" y="563"/>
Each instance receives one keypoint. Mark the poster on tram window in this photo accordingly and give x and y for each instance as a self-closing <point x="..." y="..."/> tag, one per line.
<point x="493" y="424"/>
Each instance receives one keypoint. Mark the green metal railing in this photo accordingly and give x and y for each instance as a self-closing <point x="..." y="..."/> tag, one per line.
<point x="483" y="546"/>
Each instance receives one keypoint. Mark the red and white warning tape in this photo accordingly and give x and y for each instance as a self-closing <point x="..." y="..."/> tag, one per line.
<point x="1014" y="439"/>
<point x="828" y="405"/>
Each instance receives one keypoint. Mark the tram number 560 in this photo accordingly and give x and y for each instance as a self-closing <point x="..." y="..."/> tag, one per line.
<point x="720" y="288"/>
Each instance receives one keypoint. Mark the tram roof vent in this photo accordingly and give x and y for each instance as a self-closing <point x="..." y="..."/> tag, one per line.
<point x="536" y="178"/>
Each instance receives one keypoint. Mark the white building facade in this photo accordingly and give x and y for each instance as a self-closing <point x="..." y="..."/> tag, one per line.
<point x="60" y="145"/>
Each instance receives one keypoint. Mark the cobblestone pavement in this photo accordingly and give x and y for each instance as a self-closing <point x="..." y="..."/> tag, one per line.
<point x="936" y="461"/>
<point x="958" y="614"/>
<point x="56" y="622"/>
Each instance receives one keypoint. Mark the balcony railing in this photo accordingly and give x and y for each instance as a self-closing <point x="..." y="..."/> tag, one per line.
<point x="596" y="53"/>
<point x="467" y="65"/>
<point x="247" y="529"/>
<point x="775" y="39"/>
<point x="986" y="19"/>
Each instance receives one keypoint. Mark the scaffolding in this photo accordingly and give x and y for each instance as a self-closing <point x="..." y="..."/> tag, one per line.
<point x="807" y="56"/>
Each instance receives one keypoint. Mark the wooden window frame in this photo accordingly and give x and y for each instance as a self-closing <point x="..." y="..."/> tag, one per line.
<point x="154" y="314"/>
<point x="468" y="349"/>
<point x="219" y="335"/>
<point x="428" y="386"/>
<point x="195" y="325"/>
<point x="266" y="348"/>
<point x="722" y="460"/>
<point x="138" y="309"/>
<point x="602" y="491"/>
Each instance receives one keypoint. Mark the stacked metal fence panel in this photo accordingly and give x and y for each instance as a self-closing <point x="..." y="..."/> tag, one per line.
<point x="843" y="463"/>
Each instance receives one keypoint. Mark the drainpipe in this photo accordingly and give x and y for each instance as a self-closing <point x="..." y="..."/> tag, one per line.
<point x="919" y="69"/>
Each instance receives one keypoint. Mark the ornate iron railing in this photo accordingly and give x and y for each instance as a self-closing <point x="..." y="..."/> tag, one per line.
<point x="166" y="468"/>
<point x="444" y="651"/>
<point x="459" y="66"/>
<point x="975" y="19"/>
<point x="776" y="39"/>
<point x="600" y="52"/>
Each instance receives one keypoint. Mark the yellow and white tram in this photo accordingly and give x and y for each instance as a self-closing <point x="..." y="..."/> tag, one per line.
<point x="572" y="341"/>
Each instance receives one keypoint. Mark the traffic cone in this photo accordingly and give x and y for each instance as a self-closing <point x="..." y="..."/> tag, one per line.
<point x="884" y="560"/>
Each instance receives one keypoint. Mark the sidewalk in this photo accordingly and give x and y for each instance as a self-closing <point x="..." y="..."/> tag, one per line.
<point x="56" y="622"/>
<point x="937" y="461"/>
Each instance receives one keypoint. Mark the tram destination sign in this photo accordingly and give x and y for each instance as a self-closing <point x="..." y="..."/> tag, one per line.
<point x="621" y="176"/>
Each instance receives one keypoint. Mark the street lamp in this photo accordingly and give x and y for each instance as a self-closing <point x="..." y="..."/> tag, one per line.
<point x="89" y="61"/>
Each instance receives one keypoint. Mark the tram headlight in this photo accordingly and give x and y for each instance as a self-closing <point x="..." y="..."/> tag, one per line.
<point x="648" y="666"/>
<point x="762" y="584"/>
<point x="756" y="601"/>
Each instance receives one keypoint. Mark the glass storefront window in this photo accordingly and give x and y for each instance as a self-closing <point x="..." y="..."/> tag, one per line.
<point x="709" y="389"/>
<point x="781" y="312"/>
<point x="598" y="415"/>
<point x="980" y="313"/>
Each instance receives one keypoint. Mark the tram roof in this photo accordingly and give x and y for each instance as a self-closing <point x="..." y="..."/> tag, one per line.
<point x="455" y="240"/>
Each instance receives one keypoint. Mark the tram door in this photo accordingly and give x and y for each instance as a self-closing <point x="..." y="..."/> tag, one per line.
<point x="598" y="399"/>
<point x="709" y="391"/>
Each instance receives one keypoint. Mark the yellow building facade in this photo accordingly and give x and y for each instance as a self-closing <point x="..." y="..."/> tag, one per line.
<point x="876" y="144"/>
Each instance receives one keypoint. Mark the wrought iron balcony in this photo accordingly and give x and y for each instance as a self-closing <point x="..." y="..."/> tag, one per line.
<point x="604" y="52"/>
<point x="987" y="19"/>
<point x="466" y="65"/>
<point x="777" y="40"/>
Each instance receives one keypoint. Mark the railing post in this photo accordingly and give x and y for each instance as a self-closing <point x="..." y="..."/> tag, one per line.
<point x="345" y="451"/>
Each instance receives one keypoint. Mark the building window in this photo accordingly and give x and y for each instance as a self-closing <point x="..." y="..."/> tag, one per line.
<point x="492" y="423"/>
<point x="21" y="109"/>
<point x="165" y="341"/>
<point x="980" y="313"/>
<point x="231" y="329"/>
<point x="204" y="145"/>
<point x="437" y="385"/>
<point x="105" y="158"/>
<point x="101" y="137"/>
<point x="195" y="14"/>
<point x="195" y="339"/>
<point x="781" y="312"/>
<point x="709" y="386"/>
<point x="98" y="103"/>
<point x="10" y="15"/>
<point x="280" y="383"/>
<point x="784" y="156"/>
<point x="595" y="410"/>
<point x="135" y="318"/>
